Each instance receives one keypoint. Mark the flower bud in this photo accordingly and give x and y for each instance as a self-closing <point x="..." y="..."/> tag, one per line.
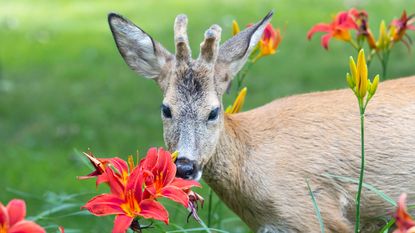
<point x="235" y="28"/>
<point x="374" y="85"/>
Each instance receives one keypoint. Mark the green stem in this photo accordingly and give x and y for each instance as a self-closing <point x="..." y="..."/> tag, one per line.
<point x="384" y="58"/>
<point x="370" y="57"/>
<point x="355" y="45"/>
<point x="242" y="75"/>
<point x="362" y="164"/>
<point x="385" y="64"/>
<point x="209" y="219"/>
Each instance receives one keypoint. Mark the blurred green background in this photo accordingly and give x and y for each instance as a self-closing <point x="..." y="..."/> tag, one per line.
<point x="64" y="88"/>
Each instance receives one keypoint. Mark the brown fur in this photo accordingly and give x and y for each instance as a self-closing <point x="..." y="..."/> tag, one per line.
<point x="265" y="155"/>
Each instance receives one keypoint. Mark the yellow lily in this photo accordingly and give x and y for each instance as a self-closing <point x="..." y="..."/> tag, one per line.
<point x="238" y="103"/>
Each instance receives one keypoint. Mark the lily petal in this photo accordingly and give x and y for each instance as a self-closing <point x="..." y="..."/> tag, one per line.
<point x="122" y="223"/>
<point x="4" y="216"/>
<point x="115" y="183"/>
<point x="152" y="209"/>
<point x="16" y="210"/>
<point x="325" y="40"/>
<point x="176" y="194"/>
<point x="321" y="27"/>
<point x="104" y="204"/>
<point x="169" y="169"/>
<point x="184" y="184"/>
<point x="135" y="183"/>
<point x="150" y="160"/>
<point x="26" y="227"/>
<point x="119" y="164"/>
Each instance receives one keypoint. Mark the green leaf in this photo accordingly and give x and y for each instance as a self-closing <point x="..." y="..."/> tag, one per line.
<point x="368" y="186"/>
<point x="320" y="219"/>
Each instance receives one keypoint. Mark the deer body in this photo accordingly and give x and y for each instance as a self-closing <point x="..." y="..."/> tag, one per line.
<point x="265" y="155"/>
<point x="258" y="161"/>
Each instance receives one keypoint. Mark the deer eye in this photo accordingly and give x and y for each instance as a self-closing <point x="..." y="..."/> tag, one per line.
<point x="213" y="114"/>
<point x="166" y="111"/>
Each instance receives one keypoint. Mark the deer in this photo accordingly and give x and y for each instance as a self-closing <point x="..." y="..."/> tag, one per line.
<point x="258" y="161"/>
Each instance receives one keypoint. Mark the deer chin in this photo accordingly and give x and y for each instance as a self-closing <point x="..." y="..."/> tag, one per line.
<point x="198" y="175"/>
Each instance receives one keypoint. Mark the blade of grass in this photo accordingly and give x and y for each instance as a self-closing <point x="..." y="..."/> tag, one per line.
<point x="320" y="219"/>
<point x="23" y="194"/>
<point x="386" y="228"/>
<point x="368" y="186"/>
<point x="54" y="210"/>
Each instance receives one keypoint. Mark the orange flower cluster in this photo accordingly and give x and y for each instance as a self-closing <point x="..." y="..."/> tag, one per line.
<point x="353" y="19"/>
<point x="135" y="188"/>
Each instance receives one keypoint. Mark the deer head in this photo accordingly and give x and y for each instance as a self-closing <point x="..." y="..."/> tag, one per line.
<point x="192" y="109"/>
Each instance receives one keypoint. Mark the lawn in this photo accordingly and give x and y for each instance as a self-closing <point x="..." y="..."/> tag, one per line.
<point x="65" y="89"/>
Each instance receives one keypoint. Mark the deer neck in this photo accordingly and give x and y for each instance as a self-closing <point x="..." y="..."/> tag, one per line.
<point x="223" y="172"/>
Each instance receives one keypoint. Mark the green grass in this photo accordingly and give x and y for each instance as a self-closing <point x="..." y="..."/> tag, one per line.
<point x="64" y="88"/>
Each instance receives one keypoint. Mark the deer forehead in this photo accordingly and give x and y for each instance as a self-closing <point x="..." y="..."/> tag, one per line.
<point x="192" y="84"/>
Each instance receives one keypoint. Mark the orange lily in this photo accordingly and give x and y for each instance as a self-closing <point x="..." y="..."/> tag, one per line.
<point x="270" y="40"/>
<point x="12" y="219"/>
<point x="339" y="28"/>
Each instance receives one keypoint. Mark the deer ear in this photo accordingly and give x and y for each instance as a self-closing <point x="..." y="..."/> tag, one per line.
<point x="139" y="50"/>
<point x="235" y="51"/>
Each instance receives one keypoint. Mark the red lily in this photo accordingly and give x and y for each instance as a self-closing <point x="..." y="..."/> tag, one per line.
<point x="160" y="178"/>
<point x="404" y="222"/>
<point x="100" y="165"/>
<point x="400" y="27"/>
<point x="339" y="28"/>
<point x="12" y="219"/>
<point x="126" y="202"/>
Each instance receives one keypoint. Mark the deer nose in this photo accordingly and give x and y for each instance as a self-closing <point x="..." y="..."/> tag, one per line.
<point x="186" y="169"/>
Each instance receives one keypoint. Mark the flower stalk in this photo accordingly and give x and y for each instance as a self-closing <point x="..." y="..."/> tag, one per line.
<point x="364" y="90"/>
<point x="268" y="45"/>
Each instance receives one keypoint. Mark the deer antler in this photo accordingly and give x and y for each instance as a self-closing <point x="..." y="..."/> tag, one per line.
<point x="183" y="53"/>
<point x="209" y="48"/>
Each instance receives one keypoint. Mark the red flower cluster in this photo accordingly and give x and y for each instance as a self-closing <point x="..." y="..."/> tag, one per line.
<point x="353" y="19"/>
<point x="12" y="219"/>
<point x="134" y="189"/>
